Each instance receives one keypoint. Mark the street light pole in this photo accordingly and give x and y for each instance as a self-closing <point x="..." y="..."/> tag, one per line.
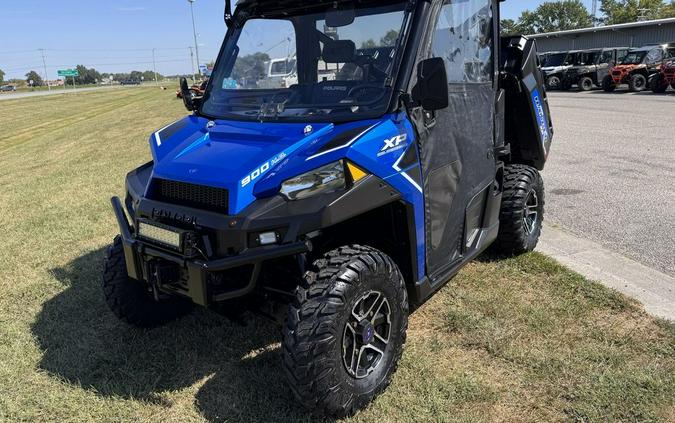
<point x="194" y="31"/>
<point x="192" y="61"/>
<point x="154" y="65"/>
<point x="44" y="63"/>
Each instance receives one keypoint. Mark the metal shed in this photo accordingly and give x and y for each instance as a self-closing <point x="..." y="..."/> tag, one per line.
<point x="634" y="34"/>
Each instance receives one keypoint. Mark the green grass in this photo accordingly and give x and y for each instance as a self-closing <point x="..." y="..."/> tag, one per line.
<point x="517" y="340"/>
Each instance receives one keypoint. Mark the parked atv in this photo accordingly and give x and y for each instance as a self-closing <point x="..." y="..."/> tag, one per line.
<point x="196" y="90"/>
<point x="636" y="68"/>
<point x="335" y="207"/>
<point x="591" y="67"/>
<point x="666" y="77"/>
<point x="556" y="63"/>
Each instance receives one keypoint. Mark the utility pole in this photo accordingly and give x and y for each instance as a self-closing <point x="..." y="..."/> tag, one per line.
<point x="595" y="13"/>
<point x="194" y="31"/>
<point x="44" y="63"/>
<point x="154" y="65"/>
<point x="192" y="60"/>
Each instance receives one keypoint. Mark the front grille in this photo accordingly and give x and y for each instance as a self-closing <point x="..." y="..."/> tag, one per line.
<point x="189" y="195"/>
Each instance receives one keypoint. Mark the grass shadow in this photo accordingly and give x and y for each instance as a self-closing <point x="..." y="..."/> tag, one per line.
<point x="237" y="369"/>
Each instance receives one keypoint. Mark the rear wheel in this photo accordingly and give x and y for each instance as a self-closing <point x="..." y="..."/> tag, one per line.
<point x="522" y="211"/>
<point x="637" y="83"/>
<point x="586" y="84"/>
<point x="608" y="84"/>
<point x="129" y="300"/>
<point x="345" y="330"/>
<point x="553" y="82"/>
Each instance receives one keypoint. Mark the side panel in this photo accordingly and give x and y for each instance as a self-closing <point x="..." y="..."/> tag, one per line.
<point x="390" y="152"/>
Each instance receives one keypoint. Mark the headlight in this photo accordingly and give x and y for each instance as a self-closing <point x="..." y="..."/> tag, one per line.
<point x="326" y="179"/>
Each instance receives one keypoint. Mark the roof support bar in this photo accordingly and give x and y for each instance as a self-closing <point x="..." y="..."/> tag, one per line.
<point x="228" y="13"/>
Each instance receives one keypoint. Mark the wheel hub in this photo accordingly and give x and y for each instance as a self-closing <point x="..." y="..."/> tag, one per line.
<point x="531" y="212"/>
<point x="366" y="334"/>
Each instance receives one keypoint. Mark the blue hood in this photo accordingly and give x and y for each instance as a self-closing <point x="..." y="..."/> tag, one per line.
<point x="233" y="155"/>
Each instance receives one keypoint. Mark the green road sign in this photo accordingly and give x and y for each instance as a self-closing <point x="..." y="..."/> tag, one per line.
<point x="68" y="72"/>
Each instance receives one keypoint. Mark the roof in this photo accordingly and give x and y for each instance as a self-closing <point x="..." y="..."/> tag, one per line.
<point x="617" y="27"/>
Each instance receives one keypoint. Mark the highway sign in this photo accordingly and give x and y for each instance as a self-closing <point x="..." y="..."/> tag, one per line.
<point x="68" y="72"/>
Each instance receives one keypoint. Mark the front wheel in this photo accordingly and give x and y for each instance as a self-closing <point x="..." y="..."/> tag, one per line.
<point x="522" y="211"/>
<point x="658" y="85"/>
<point x="129" y="300"/>
<point x="345" y="330"/>
<point x="553" y="83"/>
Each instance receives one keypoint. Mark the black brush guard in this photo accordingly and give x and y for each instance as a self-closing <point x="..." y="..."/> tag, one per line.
<point x="197" y="270"/>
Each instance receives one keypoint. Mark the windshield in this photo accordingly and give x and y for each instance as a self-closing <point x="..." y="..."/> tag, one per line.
<point x="556" y="59"/>
<point x="634" y="58"/>
<point x="297" y="67"/>
<point x="586" y="58"/>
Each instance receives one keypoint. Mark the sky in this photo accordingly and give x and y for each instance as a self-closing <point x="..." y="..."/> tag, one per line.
<point x="119" y="35"/>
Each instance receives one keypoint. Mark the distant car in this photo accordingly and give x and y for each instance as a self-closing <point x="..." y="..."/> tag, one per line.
<point x="7" y="88"/>
<point x="130" y="82"/>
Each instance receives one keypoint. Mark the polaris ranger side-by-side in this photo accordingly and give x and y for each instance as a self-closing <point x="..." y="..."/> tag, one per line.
<point x="338" y="204"/>
<point x="638" y="67"/>
<point x="556" y="64"/>
<point x="591" y="67"/>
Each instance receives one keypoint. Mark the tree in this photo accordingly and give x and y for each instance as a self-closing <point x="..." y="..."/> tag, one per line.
<point x="2" y="76"/>
<point x="551" y="16"/>
<point x="370" y="43"/>
<point x="35" y="77"/>
<point x="623" y="11"/>
<point x="389" y="40"/>
<point x="251" y="67"/>
<point x="86" y="76"/>
<point x="509" y="27"/>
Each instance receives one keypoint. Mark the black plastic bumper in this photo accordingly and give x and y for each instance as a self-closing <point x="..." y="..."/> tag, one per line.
<point x="138" y="253"/>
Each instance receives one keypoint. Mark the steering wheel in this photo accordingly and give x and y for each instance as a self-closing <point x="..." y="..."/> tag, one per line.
<point x="362" y="87"/>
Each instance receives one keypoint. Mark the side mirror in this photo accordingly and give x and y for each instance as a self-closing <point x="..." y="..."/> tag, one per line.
<point x="185" y="92"/>
<point x="431" y="91"/>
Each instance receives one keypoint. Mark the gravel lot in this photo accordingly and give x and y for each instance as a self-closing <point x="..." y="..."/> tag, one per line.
<point x="611" y="173"/>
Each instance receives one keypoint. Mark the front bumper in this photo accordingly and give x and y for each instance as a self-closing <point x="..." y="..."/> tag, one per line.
<point x="195" y="273"/>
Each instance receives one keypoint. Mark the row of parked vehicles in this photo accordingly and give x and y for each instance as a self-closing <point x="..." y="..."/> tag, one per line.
<point x="649" y="67"/>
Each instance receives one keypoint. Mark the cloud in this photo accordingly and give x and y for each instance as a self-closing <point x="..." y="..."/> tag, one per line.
<point x="131" y="9"/>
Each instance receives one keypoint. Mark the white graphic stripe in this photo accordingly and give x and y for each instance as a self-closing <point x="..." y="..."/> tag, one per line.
<point x="353" y="140"/>
<point x="405" y="175"/>
<point x="158" y="140"/>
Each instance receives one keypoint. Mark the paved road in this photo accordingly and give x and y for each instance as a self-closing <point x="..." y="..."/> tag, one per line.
<point x="55" y="91"/>
<point x="611" y="174"/>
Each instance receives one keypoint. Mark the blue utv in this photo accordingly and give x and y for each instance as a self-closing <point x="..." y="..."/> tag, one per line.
<point x="407" y="139"/>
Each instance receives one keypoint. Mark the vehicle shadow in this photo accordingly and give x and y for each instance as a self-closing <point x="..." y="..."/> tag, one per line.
<point x="236" y="370"/>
